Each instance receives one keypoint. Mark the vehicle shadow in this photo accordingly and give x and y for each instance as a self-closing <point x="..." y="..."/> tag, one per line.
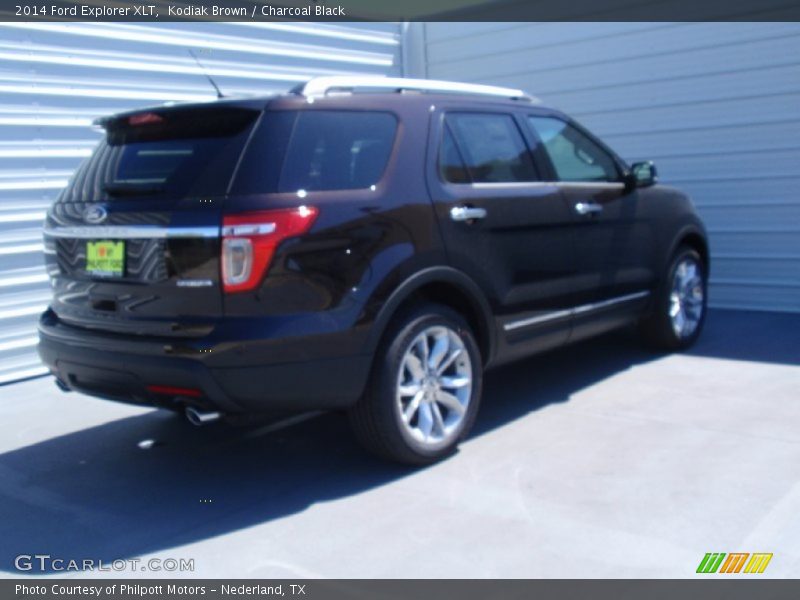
<point x="97" y="494"/>
<point x="751" y="335"/>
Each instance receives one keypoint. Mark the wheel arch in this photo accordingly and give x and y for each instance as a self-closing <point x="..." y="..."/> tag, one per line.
<point x="442" y="285"/>
<point x="697" y="242"/>
<point x="695" y="238"/>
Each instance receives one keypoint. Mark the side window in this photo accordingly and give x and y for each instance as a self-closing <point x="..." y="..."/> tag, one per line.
<point x="491" y="146"/>
<point x="337" y="150"/>
<point x="575" y="157"/>
<point x="451" y="165"/>
<point x="316" y="150"/>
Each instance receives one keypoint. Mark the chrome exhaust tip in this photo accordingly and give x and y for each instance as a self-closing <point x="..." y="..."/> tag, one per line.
<point x="199" y="417"/>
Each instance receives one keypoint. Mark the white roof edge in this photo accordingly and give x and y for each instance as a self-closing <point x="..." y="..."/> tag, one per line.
<point x="320" y="86"/>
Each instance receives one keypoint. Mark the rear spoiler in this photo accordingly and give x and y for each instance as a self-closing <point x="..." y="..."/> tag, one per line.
<point x="190" y="121"/>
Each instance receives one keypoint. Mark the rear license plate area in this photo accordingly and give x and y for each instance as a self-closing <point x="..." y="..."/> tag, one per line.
<point x="105" y="258"/>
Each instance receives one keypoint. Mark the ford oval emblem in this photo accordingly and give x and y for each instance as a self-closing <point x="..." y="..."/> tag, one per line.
<point x="95" y="214"/>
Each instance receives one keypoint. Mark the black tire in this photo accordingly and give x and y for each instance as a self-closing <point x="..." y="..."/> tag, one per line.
<point x="657" y="329"/>
<point x="376" y="418"/>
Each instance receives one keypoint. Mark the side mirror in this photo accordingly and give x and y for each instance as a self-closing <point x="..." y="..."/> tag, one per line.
<point x="642" y="174"/>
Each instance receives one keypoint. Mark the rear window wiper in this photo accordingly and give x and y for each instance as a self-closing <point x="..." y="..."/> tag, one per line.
<point x="132" y="189"/>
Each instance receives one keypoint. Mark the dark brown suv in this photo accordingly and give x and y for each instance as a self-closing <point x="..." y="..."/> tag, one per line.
<point x="359" y="243"/>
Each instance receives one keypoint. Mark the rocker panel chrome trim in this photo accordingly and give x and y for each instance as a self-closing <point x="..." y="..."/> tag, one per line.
<point x="577" y="310"/>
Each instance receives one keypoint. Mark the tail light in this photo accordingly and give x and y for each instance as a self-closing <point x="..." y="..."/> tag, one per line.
<point x="145" y="119"/>
<point x="249" y="241"/>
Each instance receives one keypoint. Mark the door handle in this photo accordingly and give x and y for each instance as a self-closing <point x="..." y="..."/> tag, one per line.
<point x="588" y="208"/>
<point x="467" y="213"/>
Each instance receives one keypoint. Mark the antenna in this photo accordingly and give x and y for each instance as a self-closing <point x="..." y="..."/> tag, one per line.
<point x="199" y="64"/>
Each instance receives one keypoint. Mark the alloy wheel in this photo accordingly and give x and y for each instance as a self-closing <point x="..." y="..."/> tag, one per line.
<point x="434" y="386"/>
<point x="686" y="300"/>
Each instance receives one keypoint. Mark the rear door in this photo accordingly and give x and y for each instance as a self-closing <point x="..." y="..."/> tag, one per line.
<point x="502" y="225"/>
<point x="132" y="244"/>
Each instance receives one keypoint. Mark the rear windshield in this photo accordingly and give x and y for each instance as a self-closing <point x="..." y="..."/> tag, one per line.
<point x="172" y="154"/>
<point x="316" y="150"/>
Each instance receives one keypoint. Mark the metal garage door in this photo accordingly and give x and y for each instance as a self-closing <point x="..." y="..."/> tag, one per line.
<point x="56" y="77"/>
<point x="716" y="105"/>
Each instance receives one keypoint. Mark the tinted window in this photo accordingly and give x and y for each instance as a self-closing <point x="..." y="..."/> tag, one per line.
<point x="171" y="154"/>
<point x="575" y="156"/>
<point x="261" y="166"/>
<point x="317" y="150"/>
<point x="451" y="165"/>
<point x="492" y="147"/>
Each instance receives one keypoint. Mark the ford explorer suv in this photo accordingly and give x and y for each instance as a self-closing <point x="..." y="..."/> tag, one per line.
<point x="371" y="245"/>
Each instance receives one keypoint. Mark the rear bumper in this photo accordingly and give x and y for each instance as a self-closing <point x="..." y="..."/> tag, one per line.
<point x="121" y="367"/>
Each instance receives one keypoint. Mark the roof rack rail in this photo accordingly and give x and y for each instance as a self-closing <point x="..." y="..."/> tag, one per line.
<point x="321" y="86"/>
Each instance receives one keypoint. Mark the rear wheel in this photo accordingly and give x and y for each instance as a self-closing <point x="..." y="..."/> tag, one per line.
<point x="425" y="388"/>
<point x="679" y="308"/>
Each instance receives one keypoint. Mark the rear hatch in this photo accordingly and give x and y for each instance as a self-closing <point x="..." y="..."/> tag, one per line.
<point x="132" y="244"/>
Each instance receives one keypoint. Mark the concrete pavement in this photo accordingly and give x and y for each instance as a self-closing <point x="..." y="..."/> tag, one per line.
<point x="598" y="460"/>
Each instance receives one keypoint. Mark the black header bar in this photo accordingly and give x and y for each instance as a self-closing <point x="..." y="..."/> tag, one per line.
<point x="154" y="11"/>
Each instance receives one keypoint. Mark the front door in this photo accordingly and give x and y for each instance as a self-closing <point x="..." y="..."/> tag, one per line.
<point x="613" y="243"/>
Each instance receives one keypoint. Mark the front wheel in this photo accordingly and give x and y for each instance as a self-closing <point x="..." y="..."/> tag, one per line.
<point x="679" y="307"/>
<point x="425" y="388"/>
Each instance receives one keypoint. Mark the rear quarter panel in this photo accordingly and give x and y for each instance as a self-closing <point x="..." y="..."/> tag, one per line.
<point x="363" y="244"/>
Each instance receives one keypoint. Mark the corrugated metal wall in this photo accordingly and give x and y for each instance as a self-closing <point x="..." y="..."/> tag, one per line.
<point x="716" y="105"/>
<point x="56" y="77"/>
